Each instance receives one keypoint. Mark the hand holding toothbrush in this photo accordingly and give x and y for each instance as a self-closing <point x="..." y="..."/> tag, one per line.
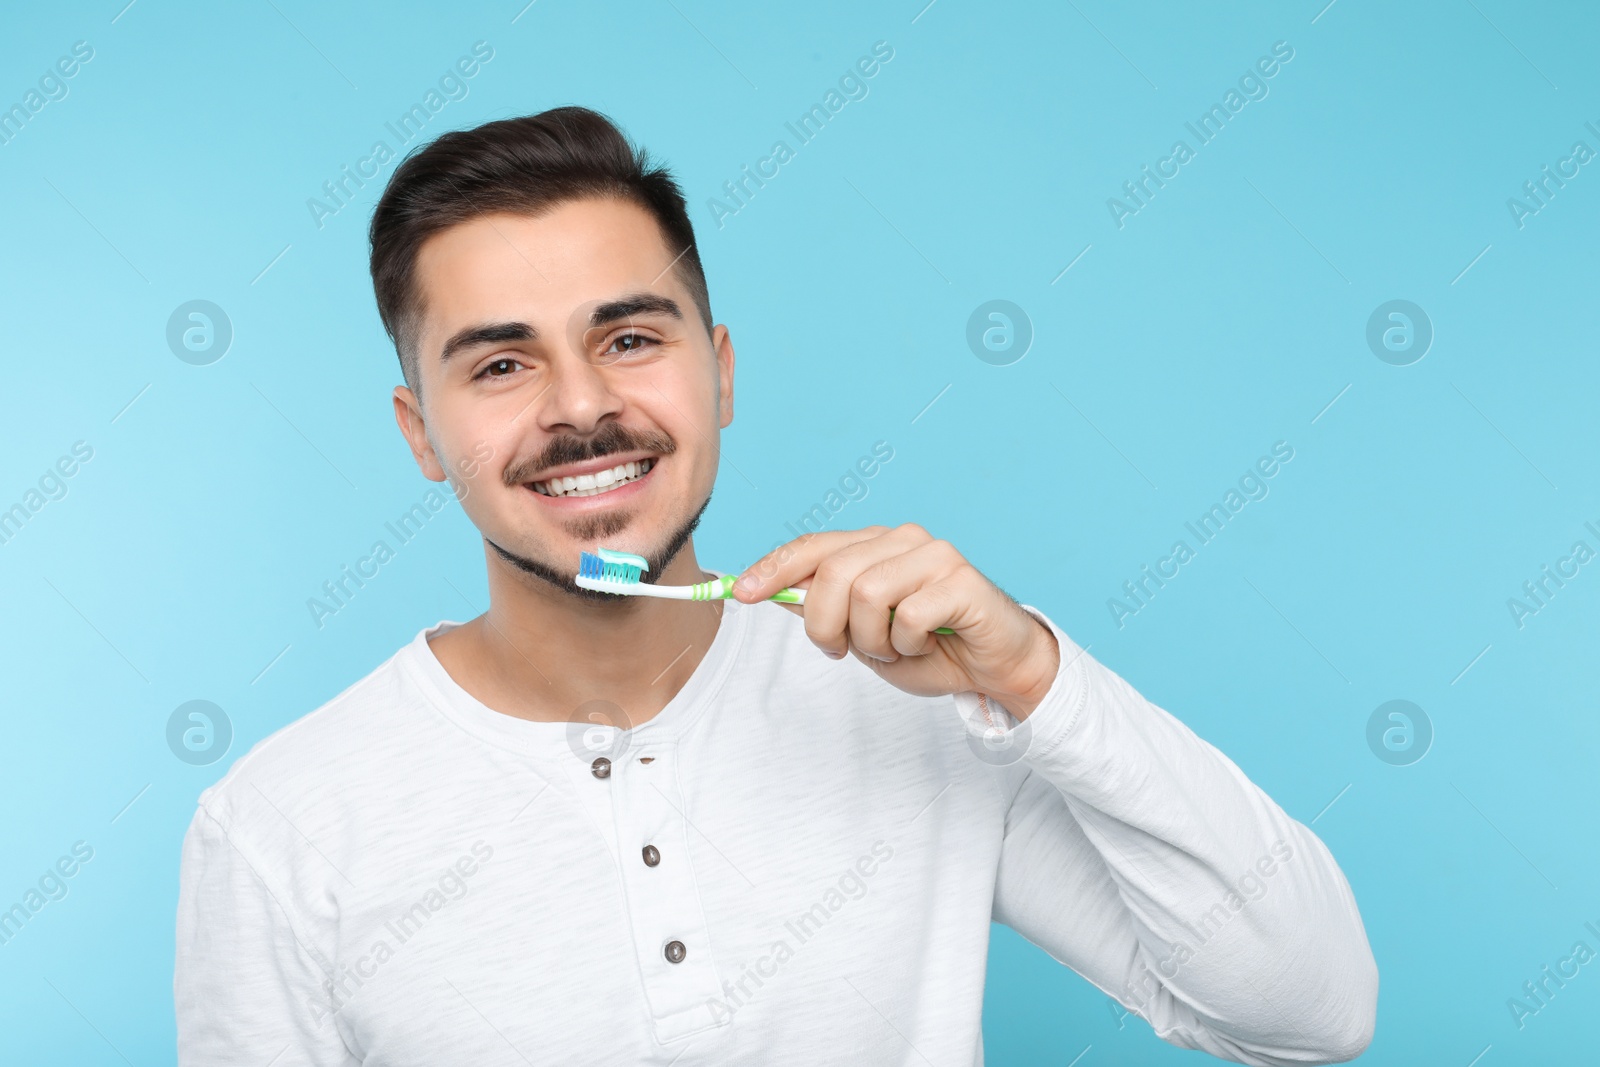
<point x="883" y="593"/>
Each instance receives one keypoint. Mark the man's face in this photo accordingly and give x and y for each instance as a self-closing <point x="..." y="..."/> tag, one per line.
<point x="565" y="347"/>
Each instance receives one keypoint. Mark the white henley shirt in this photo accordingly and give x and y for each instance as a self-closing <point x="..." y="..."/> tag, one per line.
<point x="792" y="863"/>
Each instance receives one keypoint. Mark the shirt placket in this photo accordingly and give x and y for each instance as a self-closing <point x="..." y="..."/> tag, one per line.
<point x="670" y="935"/>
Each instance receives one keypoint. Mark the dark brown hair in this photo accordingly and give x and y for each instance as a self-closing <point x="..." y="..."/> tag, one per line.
<point x="524" y="166"/>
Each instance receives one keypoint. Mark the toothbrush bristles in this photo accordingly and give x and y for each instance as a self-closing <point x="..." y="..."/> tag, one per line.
<point x="593" y="568"/>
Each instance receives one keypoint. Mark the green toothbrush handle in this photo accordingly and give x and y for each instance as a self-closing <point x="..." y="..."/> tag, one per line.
<point x="722" y="589"/>
<point x="798" y="596"/>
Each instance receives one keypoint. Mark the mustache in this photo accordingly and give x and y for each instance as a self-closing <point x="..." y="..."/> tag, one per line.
<point x="612" y="439"/>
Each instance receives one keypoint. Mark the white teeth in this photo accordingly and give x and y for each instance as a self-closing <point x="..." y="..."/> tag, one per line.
<point x="596" y="483"/>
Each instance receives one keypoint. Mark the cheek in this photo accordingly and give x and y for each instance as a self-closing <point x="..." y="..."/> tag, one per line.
<point x="475" y="443"/>
<point x="684" y="405"/>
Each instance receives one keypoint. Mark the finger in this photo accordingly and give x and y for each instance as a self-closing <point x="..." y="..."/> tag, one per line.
<point x="829" y="599"/>
<point x="879" y="591"/>
<point x="798" y="609"/>
<point x="794" y="560"/>
<point x="921" y="613"/>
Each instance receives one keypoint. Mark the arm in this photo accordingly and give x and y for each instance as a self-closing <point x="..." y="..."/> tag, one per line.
<point x="1143" y="858"/>
<point x="247" y="988"/>
<point x="1134" y="852"/>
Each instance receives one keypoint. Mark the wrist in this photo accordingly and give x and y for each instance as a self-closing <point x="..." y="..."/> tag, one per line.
<point x="1033" y="679"/>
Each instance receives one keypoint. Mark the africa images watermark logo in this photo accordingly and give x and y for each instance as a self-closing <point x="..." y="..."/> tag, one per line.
<point x="1252" y="486"/>
<point x="1539" y="591"/>
<point x="340" y="191"/>
<point x="852" y="85"/>
<point x="50" y="486"/>
<point x="853" y="487"/>
<point x="1537" y="992"/>
<point x="1538" y="192"/>
<point x="52" y="87"/>
<point x="341" y="589"/>
<point x="851" y="885"/>
<point x="50" y="886"/>
<point x="452" y="884"/>
<point x="1252" y="85"/>
<point x="1250" y="887"/>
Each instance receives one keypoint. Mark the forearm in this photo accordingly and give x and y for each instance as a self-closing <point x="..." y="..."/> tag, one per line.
<point x="1239" y="921"/>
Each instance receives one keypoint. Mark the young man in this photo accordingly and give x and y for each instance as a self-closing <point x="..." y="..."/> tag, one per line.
<point x="592" y="829"/>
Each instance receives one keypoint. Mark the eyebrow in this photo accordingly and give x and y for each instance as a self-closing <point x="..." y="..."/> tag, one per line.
<point x="486" y="334"/>
<point x="621" y="309"/>
<point x="632" y="306"/>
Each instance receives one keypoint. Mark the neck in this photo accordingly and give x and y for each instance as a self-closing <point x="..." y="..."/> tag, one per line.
<point x="539" y="653"/>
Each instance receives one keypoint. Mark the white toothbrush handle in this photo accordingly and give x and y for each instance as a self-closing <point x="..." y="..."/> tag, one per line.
<point x="664" y="592"/>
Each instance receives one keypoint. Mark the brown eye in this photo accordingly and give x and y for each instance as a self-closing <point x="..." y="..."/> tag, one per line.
<point x="500" y="368"/>
<point x="629" y="344"/>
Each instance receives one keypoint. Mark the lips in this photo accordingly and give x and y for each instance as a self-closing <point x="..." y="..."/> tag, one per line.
<point x="595" y="482"/>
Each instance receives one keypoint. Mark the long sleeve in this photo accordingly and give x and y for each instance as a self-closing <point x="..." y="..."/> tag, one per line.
<point x="247" y="989"/>
<point x="1143" y="858"/>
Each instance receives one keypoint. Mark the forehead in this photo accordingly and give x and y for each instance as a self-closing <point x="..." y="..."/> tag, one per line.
<point x="505" y="266"/>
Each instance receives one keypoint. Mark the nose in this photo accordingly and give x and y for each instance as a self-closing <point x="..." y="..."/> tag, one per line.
<point x="579" y="398"/>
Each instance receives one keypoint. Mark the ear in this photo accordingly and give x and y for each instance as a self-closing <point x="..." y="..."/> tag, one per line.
<point x="408" y="416"/>
<point x="722" y="345"/>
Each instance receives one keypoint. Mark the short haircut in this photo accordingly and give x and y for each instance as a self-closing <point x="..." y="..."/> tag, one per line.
<point x="525" y="166"/>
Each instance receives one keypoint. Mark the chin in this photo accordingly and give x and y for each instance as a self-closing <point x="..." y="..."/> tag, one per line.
<point x="657" y="539"/>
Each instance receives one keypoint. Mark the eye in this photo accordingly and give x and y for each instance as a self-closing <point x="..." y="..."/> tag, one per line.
<point x="498" y="368"/>
<point x="629" y="344"/>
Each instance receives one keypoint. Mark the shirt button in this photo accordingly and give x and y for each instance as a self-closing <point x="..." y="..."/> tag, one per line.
<point x="600" y="768"/>
<point x="675" y="952"/>
<point x="652" y="855"/>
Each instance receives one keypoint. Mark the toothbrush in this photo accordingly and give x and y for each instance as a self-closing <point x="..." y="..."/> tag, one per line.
<point x="609" y="571"/>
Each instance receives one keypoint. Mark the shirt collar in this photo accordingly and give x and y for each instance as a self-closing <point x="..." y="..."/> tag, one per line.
<point x="563" y="740"/>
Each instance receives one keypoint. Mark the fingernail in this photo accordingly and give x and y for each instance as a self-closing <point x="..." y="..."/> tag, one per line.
<point x="832" y="654"/>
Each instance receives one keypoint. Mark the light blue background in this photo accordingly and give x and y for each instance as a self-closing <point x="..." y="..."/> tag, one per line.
<point x="1225" y="316"/>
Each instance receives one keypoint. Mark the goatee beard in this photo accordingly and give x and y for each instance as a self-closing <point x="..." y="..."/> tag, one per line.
<point x="594" y="529"/>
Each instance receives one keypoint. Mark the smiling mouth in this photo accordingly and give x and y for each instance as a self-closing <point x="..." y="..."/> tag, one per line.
<point x="597" y="483"/>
